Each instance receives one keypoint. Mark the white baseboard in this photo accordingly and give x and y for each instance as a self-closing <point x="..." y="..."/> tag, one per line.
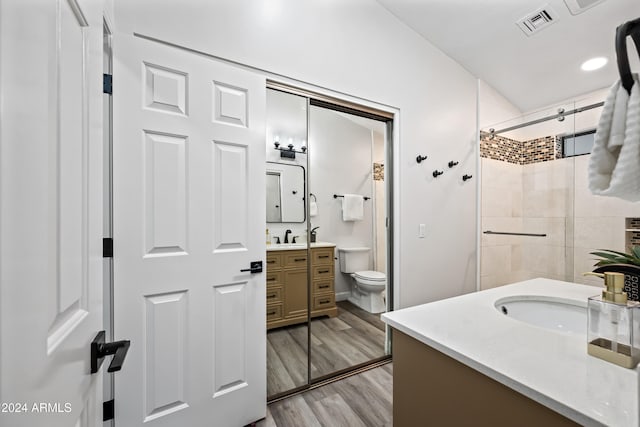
<point x="342" y="296"/>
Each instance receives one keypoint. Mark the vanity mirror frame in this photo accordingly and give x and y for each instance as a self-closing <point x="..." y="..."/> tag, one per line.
<point x="284" y="197"/>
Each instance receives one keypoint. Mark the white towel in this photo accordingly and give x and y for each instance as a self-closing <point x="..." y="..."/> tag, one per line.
<point x="313" y="208"/>
<point x="352" y="207"/>
<point x="614" y="166"/>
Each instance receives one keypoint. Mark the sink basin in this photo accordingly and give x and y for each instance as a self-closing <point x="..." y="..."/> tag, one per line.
<point x="556" y="314"/>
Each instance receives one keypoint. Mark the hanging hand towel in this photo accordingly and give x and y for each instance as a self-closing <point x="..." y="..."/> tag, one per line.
<point x="614" y="166"/>
<point x="313" y="208"/>
<point x="352" y="207"/>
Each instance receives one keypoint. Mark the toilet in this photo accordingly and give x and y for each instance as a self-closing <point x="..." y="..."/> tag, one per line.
<point x="367" y="286"/>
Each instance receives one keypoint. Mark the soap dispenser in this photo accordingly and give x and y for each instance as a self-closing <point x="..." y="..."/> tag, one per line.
<point x="613" y="332"/>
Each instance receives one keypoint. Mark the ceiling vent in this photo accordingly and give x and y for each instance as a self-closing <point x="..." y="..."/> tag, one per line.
<point x="576" y="7"/>
<point x="536" y="21"/>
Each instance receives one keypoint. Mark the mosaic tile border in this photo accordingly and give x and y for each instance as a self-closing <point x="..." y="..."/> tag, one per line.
<point x="520" y="152"/>
<point x="378" y="172"/>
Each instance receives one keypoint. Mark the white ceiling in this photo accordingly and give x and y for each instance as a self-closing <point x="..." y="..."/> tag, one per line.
<point x="531" y="72"/>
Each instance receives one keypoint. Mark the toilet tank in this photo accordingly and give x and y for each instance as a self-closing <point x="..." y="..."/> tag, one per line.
<point x="353" y="259"/>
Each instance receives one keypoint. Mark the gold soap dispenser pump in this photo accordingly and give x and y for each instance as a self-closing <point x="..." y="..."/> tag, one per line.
<point x="613" y="332"/>
<point x="614" y="286"/>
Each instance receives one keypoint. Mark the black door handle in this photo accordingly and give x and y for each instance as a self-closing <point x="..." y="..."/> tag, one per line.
<point x="100" y="349"/>
<point x="255" y="267"/>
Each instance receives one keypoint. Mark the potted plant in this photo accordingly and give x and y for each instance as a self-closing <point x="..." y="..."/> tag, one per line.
<point x="621" y="262"/>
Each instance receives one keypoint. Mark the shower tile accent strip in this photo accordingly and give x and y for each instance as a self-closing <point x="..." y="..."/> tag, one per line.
<point x="559" y="147"/>
<point x="521" y="153"/>
<point x="632" y="233"/>
<point x="500" y="148"/>
<point x="538" y="150"/>
<point x="378" y="172"/>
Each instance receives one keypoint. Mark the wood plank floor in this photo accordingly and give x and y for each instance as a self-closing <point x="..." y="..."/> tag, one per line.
<point x="354" y="336"/>
<point x="361" y="400"/>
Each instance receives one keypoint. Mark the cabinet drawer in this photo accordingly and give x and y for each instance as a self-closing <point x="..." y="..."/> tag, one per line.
<point x="274" y="260"/>
<point x="322" y="271"/>
<point x="295" y="259"/>
<point x="274" y="277"/>
<point x="324" y="301"/>
<point x="322" y="286"/>
<point x="322" y="256"/>
<point x="274" y="294"/>
<point x="274" y="312"/>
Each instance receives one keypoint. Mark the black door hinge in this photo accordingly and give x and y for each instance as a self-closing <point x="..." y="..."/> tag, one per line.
<point x="108" y="409"/>
<point x="107" y="247"/>
<point x="107" y="84"/>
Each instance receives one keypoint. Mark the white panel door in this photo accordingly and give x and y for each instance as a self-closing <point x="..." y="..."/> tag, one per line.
<point x="189" y="210"/>
<point x="50" y="212"/>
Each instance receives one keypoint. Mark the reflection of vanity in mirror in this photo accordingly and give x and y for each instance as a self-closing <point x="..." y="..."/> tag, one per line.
<point x="287" y="283"/>
<point x="285" y="192"/>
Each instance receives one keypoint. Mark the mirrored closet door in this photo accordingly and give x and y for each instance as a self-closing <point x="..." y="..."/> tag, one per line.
<point x="328" y="243"/>
<point x="287" y="248"/>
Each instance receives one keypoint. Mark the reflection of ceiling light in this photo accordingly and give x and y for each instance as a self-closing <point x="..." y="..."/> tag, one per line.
<point x="594" y="63"/>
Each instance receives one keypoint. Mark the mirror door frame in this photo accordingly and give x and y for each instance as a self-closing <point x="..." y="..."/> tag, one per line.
<point x="389" y="116"/>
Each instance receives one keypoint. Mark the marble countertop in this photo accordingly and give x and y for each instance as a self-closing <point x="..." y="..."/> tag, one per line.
<point x="297" y="246"/>
<point x="550" y="367"/>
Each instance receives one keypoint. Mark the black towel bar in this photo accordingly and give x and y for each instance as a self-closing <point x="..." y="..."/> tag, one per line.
<point x="335" y="196"/>
<point x="514" y="234"/>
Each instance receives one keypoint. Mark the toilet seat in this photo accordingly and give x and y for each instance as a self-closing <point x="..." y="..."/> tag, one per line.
<point x="371" y="276"/>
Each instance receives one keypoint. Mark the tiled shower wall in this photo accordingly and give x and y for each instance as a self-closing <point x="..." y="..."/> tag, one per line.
<point x="599" y="223"/>
<point x="532" y="198"/>
<point x="550" y="198"/>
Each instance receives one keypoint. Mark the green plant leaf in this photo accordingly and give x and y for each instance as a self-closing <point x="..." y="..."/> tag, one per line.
<point x="611" y="251"/>
<point x="606" y="255"/>
<point x="635" y="250"/>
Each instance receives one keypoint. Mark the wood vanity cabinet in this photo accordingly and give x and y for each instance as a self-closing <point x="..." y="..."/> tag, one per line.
<point x="287" y="298"/>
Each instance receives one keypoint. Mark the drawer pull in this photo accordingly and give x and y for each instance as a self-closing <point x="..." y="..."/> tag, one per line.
<point x="271" y="296"/>
<point x="323" y="286"/>
<point x="323" y="256"/>
<point x="300" y="259"/>
<point x="323" y="271"/>
<point x="271" y="261"/>
<point x="271" y="313"/>
<point x="271" y="279"/>
<point x="325" y="301"/>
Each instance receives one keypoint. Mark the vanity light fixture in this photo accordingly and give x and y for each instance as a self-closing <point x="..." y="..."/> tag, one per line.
<point x="288" y="152"/>
<point x="594" y="63"/>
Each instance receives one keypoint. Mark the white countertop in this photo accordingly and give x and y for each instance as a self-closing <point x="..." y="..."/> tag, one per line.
<point x="552" y="368"/>
<point x="297" y="246"/>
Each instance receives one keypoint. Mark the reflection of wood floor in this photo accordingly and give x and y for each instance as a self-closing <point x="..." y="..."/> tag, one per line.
<point x="352" y="337"/>
<point x="362" y="400"/>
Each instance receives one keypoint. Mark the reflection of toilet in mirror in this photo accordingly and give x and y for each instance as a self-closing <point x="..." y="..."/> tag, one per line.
<point x="367" y="287"/>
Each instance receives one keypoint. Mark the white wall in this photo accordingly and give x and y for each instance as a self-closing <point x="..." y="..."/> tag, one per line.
<point x="357" y="48"/>
<point x="494" y="108"/>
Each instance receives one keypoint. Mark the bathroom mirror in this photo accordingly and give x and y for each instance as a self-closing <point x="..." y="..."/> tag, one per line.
<point x="285" y="193"/>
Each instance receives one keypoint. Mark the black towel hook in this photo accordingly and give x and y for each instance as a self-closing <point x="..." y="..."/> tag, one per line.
<point x="631" y="28"/>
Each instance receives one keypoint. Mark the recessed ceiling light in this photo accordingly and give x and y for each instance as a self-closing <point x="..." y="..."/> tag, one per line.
<point x="594" y="63"/>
